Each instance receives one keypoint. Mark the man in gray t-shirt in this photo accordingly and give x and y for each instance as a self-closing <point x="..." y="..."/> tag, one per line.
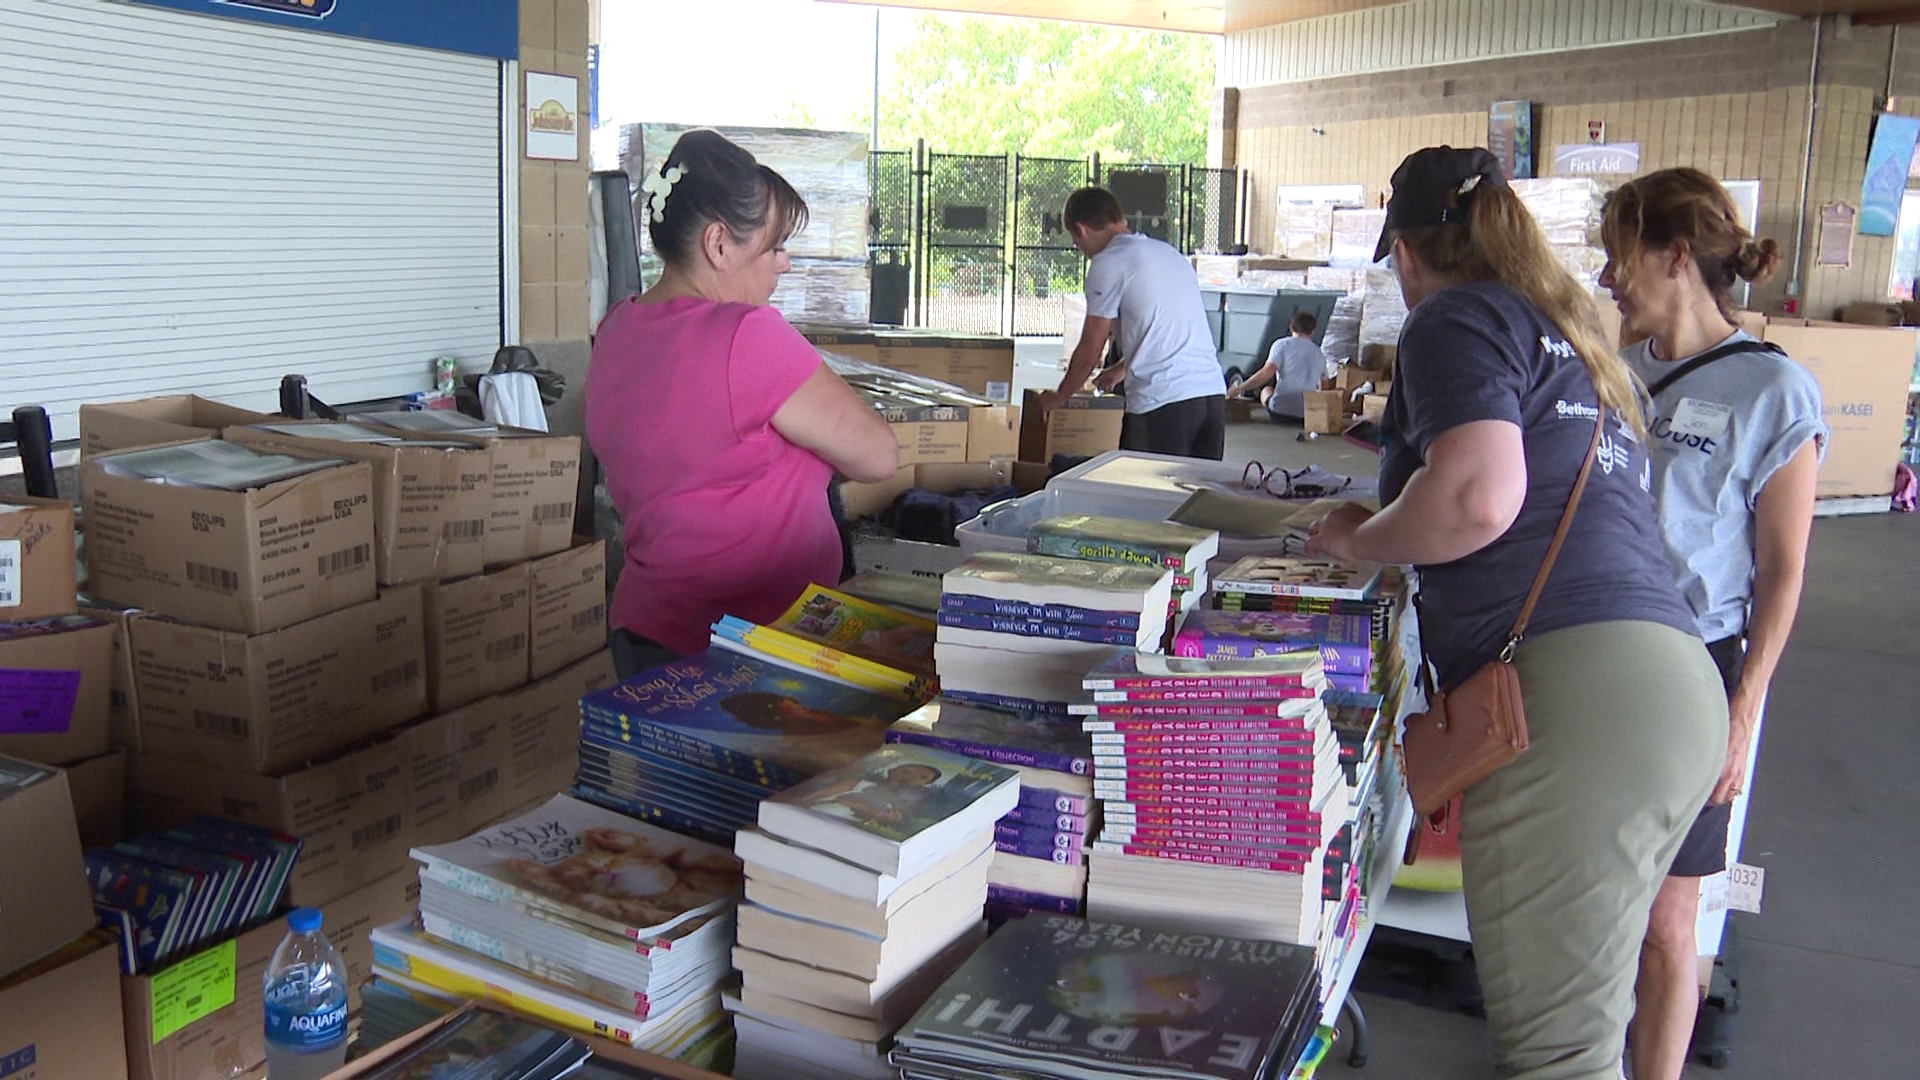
<point x="1144" y="294"/>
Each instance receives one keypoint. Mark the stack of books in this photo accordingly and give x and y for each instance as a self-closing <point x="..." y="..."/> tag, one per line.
<point x="844" y="638"/>
<point x="903" y="592"/>
<point x="1345" y="642"/>
<point x="574" y="914"/>
<point x="1058" y="996"/>
<point x="166" y="894"/>
<point x="1218" y="779"/>
<point x="1019" y="631"/>
<point x="1310" y="587"/>
<point x="1040" y="858"/>
<point x="1164" y="545"/>
<point x="1362" y="728"/>
<point x="694" y="745"/>
<point x="865" y="888"/>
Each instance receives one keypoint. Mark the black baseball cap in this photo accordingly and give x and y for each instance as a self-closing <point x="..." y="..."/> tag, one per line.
<point x="1426" y="186"/>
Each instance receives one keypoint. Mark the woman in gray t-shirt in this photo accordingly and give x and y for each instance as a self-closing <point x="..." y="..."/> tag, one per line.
<point x="1737" y="435"/>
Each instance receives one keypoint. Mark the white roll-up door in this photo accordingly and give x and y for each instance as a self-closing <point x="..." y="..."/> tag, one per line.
<point x="196" y="204"/>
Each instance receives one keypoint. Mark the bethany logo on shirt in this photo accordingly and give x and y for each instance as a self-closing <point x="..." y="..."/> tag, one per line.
<point x="1573" y="410"/>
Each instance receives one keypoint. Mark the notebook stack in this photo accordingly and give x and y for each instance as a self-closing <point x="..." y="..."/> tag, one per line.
<point x="1062" y="997"/>
<point x="865" y="888"/>
<point x="844" y="638"/>
<point x="694" y="745"/>
<point x="1218" y="778"/>
<point x="1309" y="587"/>
<point x="166" y="894"/>
<point x="1164" y="545"/>
<point x="1039" y="861"/>
<point x="574" y="914"/>
<point x="1019" y="631"/>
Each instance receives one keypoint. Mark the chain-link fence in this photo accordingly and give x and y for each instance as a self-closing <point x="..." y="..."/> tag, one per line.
<point x="1152" y="198"/>
<point x="964" y="285"/>
<point x="1046" y="265"/>
<point x="1213" y="210"/>
<point x="891" y="215"/>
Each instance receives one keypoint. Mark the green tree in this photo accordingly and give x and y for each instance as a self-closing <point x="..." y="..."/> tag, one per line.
<point x="975" y="85"/>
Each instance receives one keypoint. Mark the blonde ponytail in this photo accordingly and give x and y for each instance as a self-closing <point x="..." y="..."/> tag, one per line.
<point x="1503" y="243"/>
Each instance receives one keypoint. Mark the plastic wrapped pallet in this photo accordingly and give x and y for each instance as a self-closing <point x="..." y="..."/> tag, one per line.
<point x="1568" y="208"/>
<point x="1304" y="232"/>
<point x="1382" y="310"/>
<point x="827" y="168"/>
<point x="1351" y="280"/>
<point x="1355" y="232"/>
<point x="1274" y="279"/>
<point x="824" y="292"/>
<point x="1217" y="269"/>
<point x="1341" y="342"/>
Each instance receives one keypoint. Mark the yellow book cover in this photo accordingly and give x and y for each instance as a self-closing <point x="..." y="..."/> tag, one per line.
<point x="862" y="628"/>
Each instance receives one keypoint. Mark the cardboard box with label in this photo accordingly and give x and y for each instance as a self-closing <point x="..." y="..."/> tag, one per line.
<point x="123" y="425"/>
<point x="543" y="728"/>
<point x="929" y="433"/>
<point x="269" y="702"/>
<point x="99" y="789"/>
<point x="36" y="558"/>
<point x="202" y="1015"/>
<point x="979" y="363"/>
<point x="60" y="1018"/>
<point x="45" y="901"/>
<point x="250" y="557"/>
<point x="1084" y="425"/>
<point x="1865" y="375"/>
<point x="536" y="479"/>
<point x="477" y="634"/>
<point x="351" y="811"/>
<point x="569" y="607"/>
<point x="123" y="706"/>
<point x="457" y="771"/>
<point x="431" y="497"/>
<point x="56" y="688"/>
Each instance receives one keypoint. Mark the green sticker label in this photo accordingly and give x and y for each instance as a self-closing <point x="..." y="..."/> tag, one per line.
<point x="193" y="988"/>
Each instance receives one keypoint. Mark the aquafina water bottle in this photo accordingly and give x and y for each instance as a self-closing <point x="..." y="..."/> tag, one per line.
<point x="306" y="1002"/>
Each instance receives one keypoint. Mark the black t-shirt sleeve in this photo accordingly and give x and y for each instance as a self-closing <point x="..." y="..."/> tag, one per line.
<point x="1456" y="366"/>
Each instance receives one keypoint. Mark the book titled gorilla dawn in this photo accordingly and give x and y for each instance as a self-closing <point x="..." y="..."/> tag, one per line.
<point x="1091" y="998"/>
<point x="589" y="866"/>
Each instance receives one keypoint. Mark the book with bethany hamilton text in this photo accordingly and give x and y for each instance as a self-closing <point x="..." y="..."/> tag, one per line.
<point x="1059" y="996"/>
<point x="1201" y="678"/>
<point x="1077" y="583"/>
<point x="591" y="866"/>
<point x="1314" y="578"/>
<point x="1210" y="633"/>
<point x="1163" y="544"/>
<point x="896" y="810"/>
<point x="738" y="715"/>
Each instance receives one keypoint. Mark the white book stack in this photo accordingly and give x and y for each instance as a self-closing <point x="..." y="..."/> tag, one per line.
<point x="865" y="887"/>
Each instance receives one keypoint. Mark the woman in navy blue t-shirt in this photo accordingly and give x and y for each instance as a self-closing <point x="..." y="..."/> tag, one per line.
<point x="1502" y="372"/>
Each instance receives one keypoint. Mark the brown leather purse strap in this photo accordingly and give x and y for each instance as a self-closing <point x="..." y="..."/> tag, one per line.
<point x="1559" y="537"/>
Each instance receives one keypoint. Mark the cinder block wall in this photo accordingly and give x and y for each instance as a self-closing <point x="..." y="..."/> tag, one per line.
<point x="1732" y="104"/>
<point x="554" y="35"/>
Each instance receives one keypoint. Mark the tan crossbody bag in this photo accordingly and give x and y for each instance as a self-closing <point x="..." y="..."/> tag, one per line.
<point x="1469" y="733"/>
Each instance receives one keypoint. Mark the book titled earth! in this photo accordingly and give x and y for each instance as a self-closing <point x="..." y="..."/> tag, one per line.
<point x="726" y="712"/>
<point x="1056" y="995"/>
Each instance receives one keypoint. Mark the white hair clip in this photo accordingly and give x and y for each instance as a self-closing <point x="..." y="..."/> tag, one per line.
<point x="1469" y="183"/>
<point x="658" y="186"/>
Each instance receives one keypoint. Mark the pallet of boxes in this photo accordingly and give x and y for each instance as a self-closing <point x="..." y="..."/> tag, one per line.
<point x="359" y="636"/>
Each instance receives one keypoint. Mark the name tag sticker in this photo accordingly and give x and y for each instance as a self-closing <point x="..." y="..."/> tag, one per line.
<point x="1707" y="419"/>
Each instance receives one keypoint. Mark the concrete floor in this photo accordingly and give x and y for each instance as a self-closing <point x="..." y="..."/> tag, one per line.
<point x="1830" y="971"/>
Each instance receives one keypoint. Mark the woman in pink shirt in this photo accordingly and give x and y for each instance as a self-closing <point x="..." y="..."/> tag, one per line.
<point x="719" y="425"/>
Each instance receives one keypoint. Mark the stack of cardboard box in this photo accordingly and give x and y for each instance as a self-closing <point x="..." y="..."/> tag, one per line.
<point x="383" y="652"/>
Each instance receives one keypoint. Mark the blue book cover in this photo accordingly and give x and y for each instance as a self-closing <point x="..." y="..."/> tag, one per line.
<point x="627" y="758"/>
<point x="154" y="898"/>
<point x="718" y="806"/>
<point x="1027" y="627"/>
<point x="283" y="849"/>
<point x="1045" y="817"/>
<point x="1031" y="901"/>
<point x="223" y="878"/>
<point x="723" y="711"/>
<point x="717" y="825"/>
<point x="962" y="604"/>
<point x="1033" y="740"/>
<point x="1058" y="802"/>
<point x="1031" y="848"/>
<point x="1001" y="701"/>
<point x="655" y="815"/>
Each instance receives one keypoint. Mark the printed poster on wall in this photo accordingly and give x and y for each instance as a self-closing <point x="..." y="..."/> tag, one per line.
<point x="1889" y="160"/>
<point x="1510" y="137"/>
<point x="553" y="116"/>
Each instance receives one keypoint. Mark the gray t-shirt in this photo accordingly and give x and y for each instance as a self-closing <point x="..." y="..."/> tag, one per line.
<point x="1299" y="365"/>
<point x="1719" y="434"/>
<point x="1151" y="291"/>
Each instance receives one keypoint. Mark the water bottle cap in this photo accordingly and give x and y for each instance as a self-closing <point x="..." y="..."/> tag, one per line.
<point x="304" y="920"/>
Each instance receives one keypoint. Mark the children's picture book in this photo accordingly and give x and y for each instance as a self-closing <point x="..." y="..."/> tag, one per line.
<point x="485" y="1045"/>
<point x="811" y="657"/>
<point x="1300" y="577"/>
<point x="1124" y="540"/>
<point x="1034" y="740"/>
<point x="720" y="710"/>
<point x="1214" y="634"/>
<point x="895" y="808"/>
<point x="589" y="864"/>
<point x="862" y="628"/>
